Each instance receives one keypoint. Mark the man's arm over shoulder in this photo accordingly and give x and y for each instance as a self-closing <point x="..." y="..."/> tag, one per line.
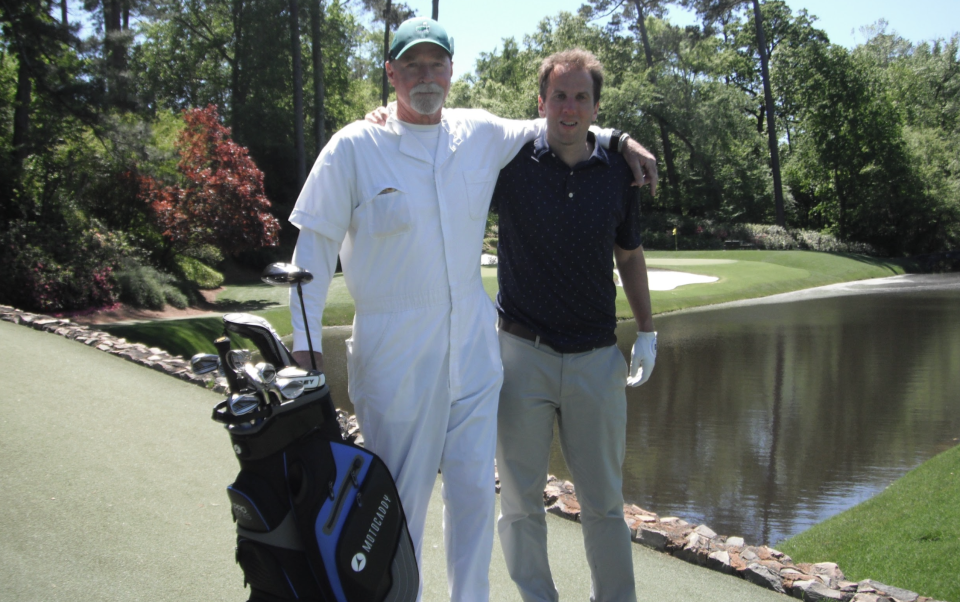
<point x="504" y="137"/>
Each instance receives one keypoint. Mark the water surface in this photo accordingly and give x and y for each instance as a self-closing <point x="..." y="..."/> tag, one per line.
<point x="764" y="418"/>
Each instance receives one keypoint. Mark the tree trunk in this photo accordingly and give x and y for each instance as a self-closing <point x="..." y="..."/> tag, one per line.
<point x="115" y="51"/>
<point x="21" y="114"/>
<point x="771" y="124"/>
<point x="436" y="10"/>
<point x="842" y="202"/>
<point x="319" y="112"/>
<point x="237" y="91"/>
<point x="63" y="12"/>
<point x="385" y="93"/>
<point x="297" y="92"/>
<point x="672" y="180"/>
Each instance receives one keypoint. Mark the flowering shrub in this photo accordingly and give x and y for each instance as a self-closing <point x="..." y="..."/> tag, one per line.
<point x="46" y="270"/>
<point x="222" y="201"/>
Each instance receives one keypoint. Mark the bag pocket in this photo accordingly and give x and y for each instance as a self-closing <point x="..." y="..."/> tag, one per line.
<point x="269" y="548"/>
<point x="275" y="574"/>
<point x="254" y="504"/>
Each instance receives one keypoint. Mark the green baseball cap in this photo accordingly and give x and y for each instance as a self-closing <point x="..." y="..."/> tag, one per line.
<point x="416" y="30"/>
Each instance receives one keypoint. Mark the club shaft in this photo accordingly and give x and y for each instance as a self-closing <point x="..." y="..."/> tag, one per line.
<point x="306" y="327"/>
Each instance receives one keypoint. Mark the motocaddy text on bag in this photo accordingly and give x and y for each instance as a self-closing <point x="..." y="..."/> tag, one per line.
<point x="318" y="518"/>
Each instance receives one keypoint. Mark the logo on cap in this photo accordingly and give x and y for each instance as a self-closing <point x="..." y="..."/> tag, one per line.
<point x="424" y="28"/>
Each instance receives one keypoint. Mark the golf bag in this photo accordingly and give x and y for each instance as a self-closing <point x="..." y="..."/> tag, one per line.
<point x="318" y="518"/>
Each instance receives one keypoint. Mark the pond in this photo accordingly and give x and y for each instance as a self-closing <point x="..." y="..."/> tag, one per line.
<point x="764" y="418"/>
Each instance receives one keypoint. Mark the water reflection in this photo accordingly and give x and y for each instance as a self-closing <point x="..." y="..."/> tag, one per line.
<point x="762" y="420"/>
<point x="765" y="419"/>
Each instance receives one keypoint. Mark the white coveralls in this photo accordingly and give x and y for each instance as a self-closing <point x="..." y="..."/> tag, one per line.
<point x="423" y="361"/>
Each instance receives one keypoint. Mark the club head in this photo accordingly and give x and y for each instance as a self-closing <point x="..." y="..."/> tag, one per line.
<point x="237" y="359"/>
<point x="285" y="274"/>
<point x="204" y="363"/>
<point x="290" y="389"/>
<point x="266" y="372"/>
<point x="308" y="379"/>
<point x="243" y="403"/>
<point x="253" y="377"/>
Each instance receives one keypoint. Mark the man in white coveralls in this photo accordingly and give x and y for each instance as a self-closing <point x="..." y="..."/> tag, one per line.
<point x="405" y="206"/>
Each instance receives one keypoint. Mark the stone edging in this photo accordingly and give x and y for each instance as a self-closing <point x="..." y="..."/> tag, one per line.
<point x="699" y="545"/>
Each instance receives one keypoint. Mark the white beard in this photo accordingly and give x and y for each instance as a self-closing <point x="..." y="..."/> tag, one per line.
<point x="426" y="99"/>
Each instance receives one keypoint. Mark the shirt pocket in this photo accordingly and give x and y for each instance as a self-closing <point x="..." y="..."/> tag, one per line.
<point x="387" y="214"/>
<point x="479" y="184"/>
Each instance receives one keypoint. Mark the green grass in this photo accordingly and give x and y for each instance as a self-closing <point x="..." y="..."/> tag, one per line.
<point x="178" y="337"/>
<point x="754" y="274"/>
<point x="908" y="536"/>
<point x="742" y="274"/>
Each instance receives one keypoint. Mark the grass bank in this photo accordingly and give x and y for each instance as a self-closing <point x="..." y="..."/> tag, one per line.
<point x="742" y="275"/>
<point x="754" y="274"/>
<point x="908" y="536"/>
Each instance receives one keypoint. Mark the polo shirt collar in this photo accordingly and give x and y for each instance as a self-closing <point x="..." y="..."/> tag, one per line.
<point x="600" y="154"/>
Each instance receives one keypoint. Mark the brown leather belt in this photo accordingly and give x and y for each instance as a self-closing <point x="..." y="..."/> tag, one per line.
<point x="519" y="330"/>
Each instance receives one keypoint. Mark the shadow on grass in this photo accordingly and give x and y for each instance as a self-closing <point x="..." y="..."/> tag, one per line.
<point x="893" y="264"/>
<point x="226" y="306"/>
<point x="178" y="337"/>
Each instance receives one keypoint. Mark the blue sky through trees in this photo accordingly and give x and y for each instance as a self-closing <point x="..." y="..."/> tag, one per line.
<point x="481" y="26"/>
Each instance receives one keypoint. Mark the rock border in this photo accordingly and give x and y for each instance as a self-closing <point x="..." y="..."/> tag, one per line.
<point x="700" y="545"/>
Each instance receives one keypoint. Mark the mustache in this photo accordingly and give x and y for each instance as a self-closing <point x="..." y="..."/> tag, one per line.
<point x="430" y="88"/>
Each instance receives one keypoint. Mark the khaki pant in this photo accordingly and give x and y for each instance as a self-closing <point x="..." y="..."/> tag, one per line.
<point x="585" y="392"/>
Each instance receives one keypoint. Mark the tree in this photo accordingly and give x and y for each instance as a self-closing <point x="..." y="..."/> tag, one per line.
<point x="297" y="92"/>
<point x="852" y="171"/>
<point x="222" y="201"/>
<point x="391" y="14"/>
<point x="714" y="10"/>
<point x="113" y="18"/>
<point x="637" y="11"/>
<point x="316" y="45"/>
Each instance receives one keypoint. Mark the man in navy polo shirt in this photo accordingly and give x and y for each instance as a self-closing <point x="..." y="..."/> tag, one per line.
<point x="566" y="209"/>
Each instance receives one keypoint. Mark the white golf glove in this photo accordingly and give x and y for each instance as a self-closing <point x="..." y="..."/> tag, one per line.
<point x="642" y="358"/>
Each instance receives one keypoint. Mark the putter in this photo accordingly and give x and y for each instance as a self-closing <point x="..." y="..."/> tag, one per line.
<point x="287" y="274"/>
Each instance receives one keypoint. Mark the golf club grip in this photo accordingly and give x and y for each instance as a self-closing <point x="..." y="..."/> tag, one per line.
<point x="223" y="346"/>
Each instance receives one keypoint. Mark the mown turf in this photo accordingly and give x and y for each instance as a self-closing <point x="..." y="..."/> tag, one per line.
<point x="743" y="275"/>
<point x="756" y="274"/>
<point x="908" y="536"/>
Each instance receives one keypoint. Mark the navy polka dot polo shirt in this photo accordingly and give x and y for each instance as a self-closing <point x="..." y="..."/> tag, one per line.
<point x="558" y="226"/>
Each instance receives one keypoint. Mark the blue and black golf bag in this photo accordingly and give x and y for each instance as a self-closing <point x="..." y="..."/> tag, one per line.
<point x="318" y="518"/>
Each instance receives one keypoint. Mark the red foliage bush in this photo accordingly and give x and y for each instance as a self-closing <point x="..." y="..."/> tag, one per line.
<point x="222" y="201"/>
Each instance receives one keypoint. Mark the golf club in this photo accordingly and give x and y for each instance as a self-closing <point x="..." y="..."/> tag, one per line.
<point x="287" y="274"/>
<point x="205" y="363"/>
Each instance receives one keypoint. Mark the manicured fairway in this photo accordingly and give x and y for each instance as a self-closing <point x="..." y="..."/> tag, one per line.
<point x="752" y="274"/>
<point x="742" y="275"/>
